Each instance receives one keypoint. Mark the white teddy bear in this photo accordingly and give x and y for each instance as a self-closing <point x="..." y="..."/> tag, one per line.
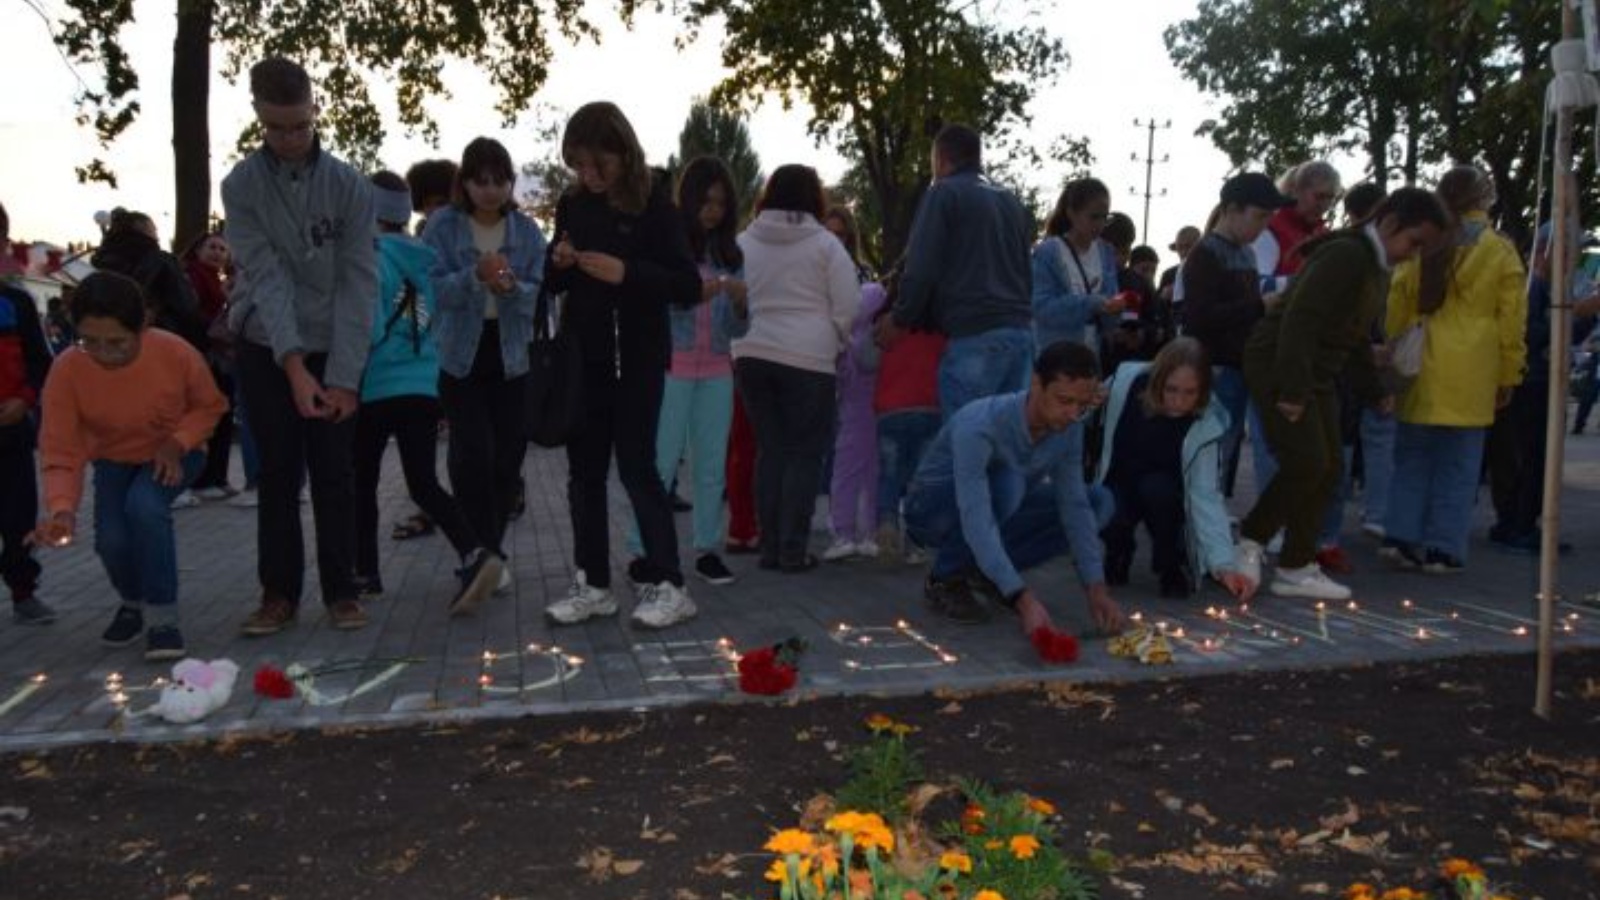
<point x="197" y="689"/>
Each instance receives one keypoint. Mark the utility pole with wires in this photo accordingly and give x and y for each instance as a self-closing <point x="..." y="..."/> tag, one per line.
<point x="1150" y="126"/>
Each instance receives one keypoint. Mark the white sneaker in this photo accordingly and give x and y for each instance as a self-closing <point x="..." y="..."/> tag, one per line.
<point x="914" y="555"/>
<point x="867" y="550"/>
<point x="185" y="500"/>
<point x="839" y="551"/>
<point x="245" y="499"/>
<point x="1275" y="546"/>
<point x="504" y="584"/>
<point x="1249" y="560"/>
<point x="663" y="605"/>
<point x="1374" y="529"/>
<point x="581" y="602"/>
<point x="1308" y="582"/>
<point x="214" y="493"/>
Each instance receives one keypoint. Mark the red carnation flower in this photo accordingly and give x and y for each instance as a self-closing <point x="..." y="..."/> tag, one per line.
<point x="770" y="671"/>
<point x="1054" y="646"/>
<point x="272" y="682"/>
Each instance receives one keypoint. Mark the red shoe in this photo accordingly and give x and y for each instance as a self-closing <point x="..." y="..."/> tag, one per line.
<point x="1333" y="559"/>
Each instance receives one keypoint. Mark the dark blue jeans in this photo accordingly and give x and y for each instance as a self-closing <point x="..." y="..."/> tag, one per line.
<point x="792" y="412"/>
<point x="133" y="532"/>
<point x="997" y="361"/>
<point x="1029" y="520"/>
<point x="903" y="436"/>
<point x="19" y="513"/>
<point x="1156" y="499"/>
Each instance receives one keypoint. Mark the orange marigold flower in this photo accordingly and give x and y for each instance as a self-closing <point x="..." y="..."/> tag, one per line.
<point x="848" y="820"/>
<point x="987" y="894"/>
<point x="791" y="840"/>
<point x="778" y="871"/>
<point x="1024" y="846"/>
<point x="913" y="894"/>
<point x="1360" y="891"/>
<point x="1455" y="868"/>
<point x="879" y="722"/>
<point x="1402" y="893"/>
<point x="861" y="882"/>
<point x="992" y="845"/>
<point x="955" y="861"/>
<point x="1042" y="807"/>
<point x="875" y="837"/>
<point x="827" y="859"/>
<point x="972" y="819"/>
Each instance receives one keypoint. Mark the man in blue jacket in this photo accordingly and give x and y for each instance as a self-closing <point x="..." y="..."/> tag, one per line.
<point x="1001" y="490"/>
<point x="300" y="225"/>
<point x="968" y="275"/>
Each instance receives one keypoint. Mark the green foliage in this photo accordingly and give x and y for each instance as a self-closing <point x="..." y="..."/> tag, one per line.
<point x="881" y="773"/>
<point x="715" y="131"/>
<point x="989" y="833"/>
<point x="881" y="78"/>
<point x="1411" y="87"/>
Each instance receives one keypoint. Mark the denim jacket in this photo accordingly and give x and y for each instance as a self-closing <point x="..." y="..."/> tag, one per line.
<point x="1206" y="526"/>
<point x="1060" y="314"/>
<point x="725" y="323"/>
<point x="462" y="297"/>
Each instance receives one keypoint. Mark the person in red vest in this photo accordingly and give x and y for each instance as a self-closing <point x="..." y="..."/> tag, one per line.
<point x="1315" y="186"/>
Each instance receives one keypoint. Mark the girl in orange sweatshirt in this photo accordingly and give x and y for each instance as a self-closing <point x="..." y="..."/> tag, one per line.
<point x="140" y="403"/>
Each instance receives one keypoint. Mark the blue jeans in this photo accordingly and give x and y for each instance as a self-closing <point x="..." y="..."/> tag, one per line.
<point x="1377" y="464"/>
<point x="1029" y="519"/>
<point x="903" y="436"/>
<point x="997" y="361"/>
<point x="696" y="414"/>
<point x="133" y="533"/>
<point x="1227" y="385"/>
<point x="1262" y="464"/>
<point x="249" y="454"/>
<point x="1436" y="471"/>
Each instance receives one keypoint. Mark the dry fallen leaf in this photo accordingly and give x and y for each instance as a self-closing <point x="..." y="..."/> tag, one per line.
<point x="1350" y="816"/>
<point x="1365" y="845"/>
<point x="597" y="863"/>
<point x="1277" y="764"/>
<point x="1146" y="828"/>
<point x="722" y="759"/>
<point x="722" y="865"/>
<point x="1316" y="887"/>
<point x="950" y="709"/>
<point x="1201" y="813"/>
<point x="627" y="866"/>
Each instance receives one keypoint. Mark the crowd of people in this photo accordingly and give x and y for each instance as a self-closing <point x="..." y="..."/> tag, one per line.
<point x="1002" y="396"/>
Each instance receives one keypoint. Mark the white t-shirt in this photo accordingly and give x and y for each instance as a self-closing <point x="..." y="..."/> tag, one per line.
<point x="1088" y="264"/>
<point x="489" y="239"/>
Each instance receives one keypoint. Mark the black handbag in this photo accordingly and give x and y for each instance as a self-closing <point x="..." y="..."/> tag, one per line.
<point x="553" y="404"/>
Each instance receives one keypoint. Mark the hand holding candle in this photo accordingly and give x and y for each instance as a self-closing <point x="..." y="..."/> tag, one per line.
<point x="56" y="531"/>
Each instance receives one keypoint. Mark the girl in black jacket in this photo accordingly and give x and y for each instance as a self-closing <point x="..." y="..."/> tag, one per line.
<point x="621" y="257"/>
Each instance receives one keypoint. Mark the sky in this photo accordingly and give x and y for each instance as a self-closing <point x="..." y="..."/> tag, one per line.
<point x="1119" y="72"/>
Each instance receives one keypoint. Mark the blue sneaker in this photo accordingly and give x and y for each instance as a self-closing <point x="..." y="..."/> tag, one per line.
<point x="125" y="627"/>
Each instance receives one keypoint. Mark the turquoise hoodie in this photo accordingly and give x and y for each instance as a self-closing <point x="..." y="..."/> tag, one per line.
<point x="404" y="361"/>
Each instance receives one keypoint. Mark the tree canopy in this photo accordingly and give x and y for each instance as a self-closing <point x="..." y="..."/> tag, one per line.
<point x="1410" y="87"/>
<point x="881" y="77"/>
<point x="712" y="131"/>
<point x="345" y="44"/>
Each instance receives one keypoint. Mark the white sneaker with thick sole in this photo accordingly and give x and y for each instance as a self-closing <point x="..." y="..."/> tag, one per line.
<point x="663" y="606"/>
<point x="581" y="603"/>
<point x="867" y="549"/>
<point x="839" y="551"/>
<point x="1308" y="582"/>
<point x="1249" y="559"/>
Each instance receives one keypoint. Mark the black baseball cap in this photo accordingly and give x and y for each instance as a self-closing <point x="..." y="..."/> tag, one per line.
<point x="1253" y="189"/>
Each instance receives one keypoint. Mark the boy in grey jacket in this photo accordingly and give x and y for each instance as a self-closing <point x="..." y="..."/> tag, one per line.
<point x="301" y="229"/>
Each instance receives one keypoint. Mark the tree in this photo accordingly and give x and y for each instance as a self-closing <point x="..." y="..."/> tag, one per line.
<point x="881" y="78"/>
<point x="1411" y="87"/>
<point x="714" y="131"/>
<point x="343" y="44"/>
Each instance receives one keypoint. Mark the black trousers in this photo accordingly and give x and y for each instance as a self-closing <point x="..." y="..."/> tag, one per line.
<point x="1156" y="499"/>
<point x="620" y="410"/>
<point x="220" y="446"/>
<point x="792" y="413"/>
<point x="487" y="439"/>
<point x="292" y="447"/>
<point x="1515" y="456"/>
<point x="413" y="422"/>
<point x="19" y="513"/>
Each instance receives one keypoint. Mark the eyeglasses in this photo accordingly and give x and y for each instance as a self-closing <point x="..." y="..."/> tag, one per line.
<point x="298" y="129"/>
<point x="117" y="346"/>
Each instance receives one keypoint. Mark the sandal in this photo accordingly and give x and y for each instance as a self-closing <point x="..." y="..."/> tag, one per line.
<point x="418" y="525"/>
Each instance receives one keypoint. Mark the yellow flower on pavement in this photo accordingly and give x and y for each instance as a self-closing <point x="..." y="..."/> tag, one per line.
<point x="1024" y="846"/>
<point x="791" y="840"/>
<point x="879" y="722"/>
<point x="955" y="861"/>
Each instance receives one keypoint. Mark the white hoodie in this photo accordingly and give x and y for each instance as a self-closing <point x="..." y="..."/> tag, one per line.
<point x="803" y="292"/>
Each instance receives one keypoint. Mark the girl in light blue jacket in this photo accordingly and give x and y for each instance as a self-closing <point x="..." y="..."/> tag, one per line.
<point x="1075" y="290"/>
<point x="1159" y="459"/>
<point x="487" y="276"/>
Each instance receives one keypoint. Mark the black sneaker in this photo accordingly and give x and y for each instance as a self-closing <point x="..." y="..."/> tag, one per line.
<point x="952" y="598"/>
<point x="125" y="627"/>
<point x="479" y="578"/>
<point x="163" y="642"/>
<point x="980" y="584"/>
<point x="1400" y="554"/>
<point x="1176" y="584"/>
<point x="368" y="588"/>
<point x="680" y="505"/>
<point x="32" y="611"/>
<point x="711" y="570"/>
<point x="1438" y="562"/>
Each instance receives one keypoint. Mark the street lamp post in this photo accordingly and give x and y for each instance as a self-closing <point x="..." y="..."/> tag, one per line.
<point x="1150" y="126"/>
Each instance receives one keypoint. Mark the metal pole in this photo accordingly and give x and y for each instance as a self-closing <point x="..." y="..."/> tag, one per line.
<point x="1150" y="161"/>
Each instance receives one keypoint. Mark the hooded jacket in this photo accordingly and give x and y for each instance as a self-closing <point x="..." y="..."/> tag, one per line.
<point x="803" y="292"/>
<point x="404" y="360"/>
<point x="166" y="286"/>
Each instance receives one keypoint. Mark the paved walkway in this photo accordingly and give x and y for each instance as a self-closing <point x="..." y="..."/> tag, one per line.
<point x="865" y="622"/>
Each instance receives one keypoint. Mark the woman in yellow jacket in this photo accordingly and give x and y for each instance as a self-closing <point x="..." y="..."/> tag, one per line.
<point x="1471" y="292"/>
